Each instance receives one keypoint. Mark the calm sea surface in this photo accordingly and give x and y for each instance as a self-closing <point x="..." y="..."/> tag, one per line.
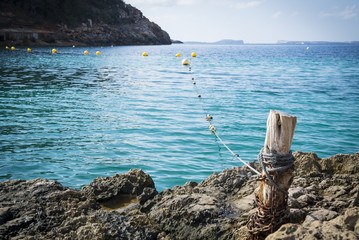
<point x="72" y="117"/>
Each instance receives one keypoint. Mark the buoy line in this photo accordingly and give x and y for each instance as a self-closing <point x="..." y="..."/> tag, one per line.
<point x="212" y="128"/>
<point x="52" y="51"/>
<point x="236" y="155"/>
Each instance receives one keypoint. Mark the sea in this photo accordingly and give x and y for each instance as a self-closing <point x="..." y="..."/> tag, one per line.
<point x="73" y="117"/>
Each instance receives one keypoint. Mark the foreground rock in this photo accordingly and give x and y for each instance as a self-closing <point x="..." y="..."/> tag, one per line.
<point x="76" y="22"/>
<point x="324" y="205"/>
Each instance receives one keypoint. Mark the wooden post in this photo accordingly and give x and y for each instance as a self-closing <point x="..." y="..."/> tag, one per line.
<point x="272" y="198"/>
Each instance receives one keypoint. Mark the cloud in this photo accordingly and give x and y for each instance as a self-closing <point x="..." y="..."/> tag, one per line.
<point x="293" y="14"/>
<point x="186" y="2"/>
<point x="158" y="3"/>
<point x="347" y="13"/>
<point x="276" y="14"/>
<point x="149" y="2"/>
<point x="250" y="4"/>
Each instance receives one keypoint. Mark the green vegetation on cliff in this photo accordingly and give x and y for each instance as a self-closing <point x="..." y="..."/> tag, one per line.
<point x="83" y="21"/>
<point x="71" y="12"/>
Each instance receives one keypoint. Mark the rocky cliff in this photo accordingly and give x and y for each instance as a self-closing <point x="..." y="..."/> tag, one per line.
<point x="76" y="22"/>
<point x="324" y="204"/>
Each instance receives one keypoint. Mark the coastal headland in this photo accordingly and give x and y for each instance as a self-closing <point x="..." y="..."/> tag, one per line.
<point x="323" y="203"/>
<point x="76" y="22"/>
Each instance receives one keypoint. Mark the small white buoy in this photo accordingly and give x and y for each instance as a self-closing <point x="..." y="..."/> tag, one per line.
<point x="308" y="48"/>
<point x="185" y="61"/>
<point x="212" y="128"/>
<point x="209" y="117"/>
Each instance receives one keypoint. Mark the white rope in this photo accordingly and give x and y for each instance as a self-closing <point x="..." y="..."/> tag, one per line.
<point x="213" y="129"/>
<point x="236" y="155"/>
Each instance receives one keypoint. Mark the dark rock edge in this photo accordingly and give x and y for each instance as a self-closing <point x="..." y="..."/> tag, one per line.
<point x="106" y="23"/>
<point x="324" y="205"/>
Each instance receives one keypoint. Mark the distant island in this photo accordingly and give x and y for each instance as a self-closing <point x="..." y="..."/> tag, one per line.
<point x="176" y="41"/>
<point x="221" y="42"/>
<point x="76" y="22"/>
<point x="314" y="42"/>
<point x="280" y="42"/>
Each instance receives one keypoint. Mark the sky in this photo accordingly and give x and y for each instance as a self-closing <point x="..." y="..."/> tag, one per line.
<point x="254" y="21"/>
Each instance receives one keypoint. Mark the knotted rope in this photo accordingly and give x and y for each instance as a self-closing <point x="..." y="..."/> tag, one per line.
<point x="267" y="219"/>
<point x="276" y="162"/>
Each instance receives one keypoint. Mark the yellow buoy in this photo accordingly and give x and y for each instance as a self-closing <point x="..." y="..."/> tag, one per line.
<point x="144" y="54"/>
<point x="12" y="48"/>
<point x="6" y="47"/>
<point x="185" y="61"/>
<point x="194" y="54"/>
<point x="54" y="51"/>
<point x="86" y="52"/>
<point x="212" y="128"/>
<point x="178" y="55"/>
<point x="98" y="53"/>
<point x="29" y="49"/>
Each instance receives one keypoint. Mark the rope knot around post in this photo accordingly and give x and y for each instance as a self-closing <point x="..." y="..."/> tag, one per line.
<point x="267" y="219"/>
<point x="277" y="162"/>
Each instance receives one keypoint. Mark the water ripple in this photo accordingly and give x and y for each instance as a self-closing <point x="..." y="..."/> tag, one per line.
<point x="72" y="117"/>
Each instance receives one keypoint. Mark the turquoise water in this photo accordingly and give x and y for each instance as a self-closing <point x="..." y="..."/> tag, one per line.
<point x="72" y="117"/>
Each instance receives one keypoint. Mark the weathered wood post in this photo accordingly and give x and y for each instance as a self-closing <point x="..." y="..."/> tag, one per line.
<point x="276" y="160"/>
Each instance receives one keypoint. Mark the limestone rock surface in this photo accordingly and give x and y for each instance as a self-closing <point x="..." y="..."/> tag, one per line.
<point x="324" y="204"/>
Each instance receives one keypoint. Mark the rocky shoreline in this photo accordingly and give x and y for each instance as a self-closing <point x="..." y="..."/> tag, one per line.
<point x="324" y="204"/>
<point x="77" y="22"/>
